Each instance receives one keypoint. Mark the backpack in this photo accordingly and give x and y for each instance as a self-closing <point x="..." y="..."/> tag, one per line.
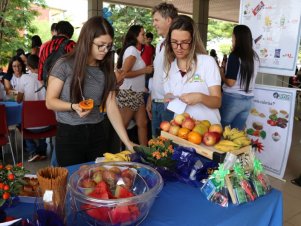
<point x="52" y="58"/>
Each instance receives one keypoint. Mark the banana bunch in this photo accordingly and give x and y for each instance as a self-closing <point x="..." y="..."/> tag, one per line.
<point x="227" y="145"/>
<point x="234" y="139"/>
<point x="237" y="136"/>
<point x="121" y="156"/>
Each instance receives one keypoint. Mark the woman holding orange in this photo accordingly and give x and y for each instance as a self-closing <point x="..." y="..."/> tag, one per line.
<point x="85" y="74"/>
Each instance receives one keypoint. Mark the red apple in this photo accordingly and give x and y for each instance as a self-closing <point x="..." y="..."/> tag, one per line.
<point x="188" y="123"/>
<point x="211" y="138"/>
<point x="165" y="125"/>
<point x="174" y="130"/>
<point x="179" y="119"/>
<point x="216" y="128"/>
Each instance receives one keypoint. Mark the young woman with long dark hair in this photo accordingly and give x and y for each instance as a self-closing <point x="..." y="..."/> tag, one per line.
<point x="87" y="72"/>
<point x="239" y="79"/>
<point x="131" y="94"/>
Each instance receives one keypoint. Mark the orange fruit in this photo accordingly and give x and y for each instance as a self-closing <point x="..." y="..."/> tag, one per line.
<point x="194" y="137"/>
<point x="183" y="133"/>
<point x="86" y="104"/>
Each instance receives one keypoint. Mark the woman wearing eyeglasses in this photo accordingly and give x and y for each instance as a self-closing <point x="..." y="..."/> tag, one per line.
<point x="131" y="94"/>
<point x="85" y="73"/>
<point x="16" y="68"/>
<point x="192" y="75"/>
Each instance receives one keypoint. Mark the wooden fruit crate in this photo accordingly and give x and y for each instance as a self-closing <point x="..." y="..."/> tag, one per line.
<point x="206" y="151"/>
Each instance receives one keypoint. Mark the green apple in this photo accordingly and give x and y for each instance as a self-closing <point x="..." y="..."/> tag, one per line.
<point x="201" y="129"/>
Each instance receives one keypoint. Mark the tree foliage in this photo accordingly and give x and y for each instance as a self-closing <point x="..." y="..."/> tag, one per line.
<point x="219" y="29"/>
<point x="125" y="16"/>
<point x="15" y="24"/>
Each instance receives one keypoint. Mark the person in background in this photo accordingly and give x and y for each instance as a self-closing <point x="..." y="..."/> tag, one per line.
<point x="64" y="32"/>
<point x="295" y="80"/>
<point x="163" y="15"/>
<point x="148" y="55"/>
<point x="130" y="97"/>
<point x="27" y="91"/>
<point x="53" y="32"/>
<point x="239" y="80"/>
<point x="20" y="53"/>
<point x="148" y="50"/>
<point x="53" y="29"/>
<point x="60" y="32"/>
<point x="192" y="75"/>
<point x="16" y="68"/>
<point x="224" y="63"/>
<point x="29" y="83"/>
<point x="297" y="181"/>
<point x="36" y="43"/>
<point x="214" y="55"/>
<point x="87" y="72"/>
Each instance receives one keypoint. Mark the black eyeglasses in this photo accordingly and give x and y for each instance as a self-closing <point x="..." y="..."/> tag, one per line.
<point x="183" y="45"/>
<point x="103" y="47"/>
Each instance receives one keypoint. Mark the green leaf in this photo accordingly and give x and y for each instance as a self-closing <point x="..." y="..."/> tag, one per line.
<point x="16" y="16"/>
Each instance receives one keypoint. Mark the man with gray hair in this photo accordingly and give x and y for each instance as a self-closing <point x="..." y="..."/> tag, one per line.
<point x="163" y="15"/>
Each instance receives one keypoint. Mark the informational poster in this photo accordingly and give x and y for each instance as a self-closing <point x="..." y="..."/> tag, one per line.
<point x="275" y="26"/>
<point x="270" y="123"/>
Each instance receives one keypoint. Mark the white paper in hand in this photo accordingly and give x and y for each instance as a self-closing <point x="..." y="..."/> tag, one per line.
<point x="177" y="106"/>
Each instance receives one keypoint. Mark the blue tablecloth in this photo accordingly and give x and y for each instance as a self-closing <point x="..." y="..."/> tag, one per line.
<point x="180" y="204"/>
<point x="13" y="112"/>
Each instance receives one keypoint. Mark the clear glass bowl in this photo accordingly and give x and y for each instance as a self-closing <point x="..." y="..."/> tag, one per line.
<point x="145" y="183"/>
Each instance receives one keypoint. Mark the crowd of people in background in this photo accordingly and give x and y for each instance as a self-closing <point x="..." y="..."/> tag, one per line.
<point x="23" y="80"/>
<point x="146" y="80"/>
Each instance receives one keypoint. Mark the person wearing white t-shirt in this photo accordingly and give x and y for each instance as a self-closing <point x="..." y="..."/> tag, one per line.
<point x="130" y="97"/>
<point x="163" y="15"/>
<point x="30" y="88"/>
<point x="192" y="75"/>
<point x="16" y="68"/>
<point x="239" y="80"/>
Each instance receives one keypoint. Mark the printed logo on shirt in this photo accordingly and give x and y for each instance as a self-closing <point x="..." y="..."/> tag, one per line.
<point x="196" y="78"/>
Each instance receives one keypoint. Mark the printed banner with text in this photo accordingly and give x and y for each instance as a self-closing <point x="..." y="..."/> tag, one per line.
<point x="276" y="30"/>
<point x="271" y="122"/>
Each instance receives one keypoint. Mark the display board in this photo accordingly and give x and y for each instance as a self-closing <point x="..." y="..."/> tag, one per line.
<point x="271" y="123"/>
<point x="275" y="26"/>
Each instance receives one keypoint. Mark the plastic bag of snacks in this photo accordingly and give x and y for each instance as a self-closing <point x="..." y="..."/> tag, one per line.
<point x="241" y="186"/>
<point x="215" y="189"/>
<point x="259" y="179"/>
<point x="190" y="166"/>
